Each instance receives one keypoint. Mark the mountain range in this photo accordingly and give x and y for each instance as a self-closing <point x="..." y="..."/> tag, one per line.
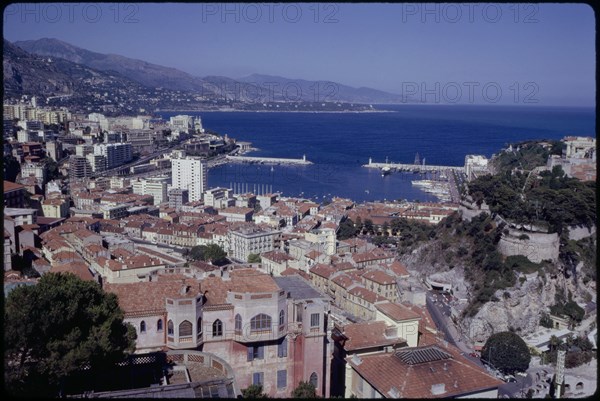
<point x="254" y="88"/>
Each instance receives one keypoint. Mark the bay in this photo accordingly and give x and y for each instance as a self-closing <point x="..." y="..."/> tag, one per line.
<point x="340" y="143"/>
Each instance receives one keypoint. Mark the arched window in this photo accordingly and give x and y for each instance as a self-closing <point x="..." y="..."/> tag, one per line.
<point x="260" y="322"/>
<point x="185" y="329"/>
<point x="313" y="379"/>
<point x="142" y="327"/>
<point x="281" y="317"/>
<point x="238" y="323"/>
<point x="159" y="325"/>
<point x="170" y="327"/>
<point x="199" y="325"/>
<point x="217" y="328"/>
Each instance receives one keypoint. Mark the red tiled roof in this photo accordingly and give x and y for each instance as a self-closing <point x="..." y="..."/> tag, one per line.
<point x="368" y="335"/>
<point x="379" y="277"/>
<point x="11" y="186"/>
<point x="458" y="376"/>
<point x="396" y="311"/>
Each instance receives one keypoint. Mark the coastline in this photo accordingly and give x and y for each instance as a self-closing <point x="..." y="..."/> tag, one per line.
<point x="277" y="111"/>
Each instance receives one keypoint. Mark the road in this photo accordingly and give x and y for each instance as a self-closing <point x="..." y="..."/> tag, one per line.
<point x="438" y="307"/>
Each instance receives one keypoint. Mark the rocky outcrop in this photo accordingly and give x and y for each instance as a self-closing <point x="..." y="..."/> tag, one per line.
<point x="579" y="232"/>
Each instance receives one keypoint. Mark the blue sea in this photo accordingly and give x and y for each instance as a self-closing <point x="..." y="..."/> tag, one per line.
<point x="340" y="143"/>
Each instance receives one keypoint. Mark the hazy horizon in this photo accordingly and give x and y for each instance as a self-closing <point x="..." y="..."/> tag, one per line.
<point x="519" y="54"/>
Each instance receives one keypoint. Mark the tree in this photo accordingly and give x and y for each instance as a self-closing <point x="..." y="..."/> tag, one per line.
<point x="214" y="253"/>
<point x="254" y="258"/>
<point x="346" y="230"/>
<point x="304" y="390"/>
<point x="254" y="391"/>
<point x="12" y="168"/>
<point x="507" y="352"/>
<point x="368" y="225"/>
<point x="57" y="327"/>
<point x="52" y="170"/>
<point x="197" y="252"/>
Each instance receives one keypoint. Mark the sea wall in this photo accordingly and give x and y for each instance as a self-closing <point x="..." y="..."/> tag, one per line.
<point x="537" y="247"/>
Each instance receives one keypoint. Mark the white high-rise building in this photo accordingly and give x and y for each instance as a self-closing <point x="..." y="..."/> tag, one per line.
<point x="155" y="186"/>
<point x="190" y="173"/>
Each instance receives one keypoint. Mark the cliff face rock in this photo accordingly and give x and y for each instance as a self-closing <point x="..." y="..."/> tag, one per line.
<point x="521" y="310"/>
<point x="519" y="307"/>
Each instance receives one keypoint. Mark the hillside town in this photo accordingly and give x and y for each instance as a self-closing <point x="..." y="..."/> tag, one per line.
<point x="124" y="202"/>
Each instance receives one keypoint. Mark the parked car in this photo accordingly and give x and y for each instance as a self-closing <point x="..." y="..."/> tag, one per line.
<point x="522" y="374"/>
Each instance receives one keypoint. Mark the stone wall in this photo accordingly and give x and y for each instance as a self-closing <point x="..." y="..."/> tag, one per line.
<point x="579" y="232"/>
<point x="538" y="247"/>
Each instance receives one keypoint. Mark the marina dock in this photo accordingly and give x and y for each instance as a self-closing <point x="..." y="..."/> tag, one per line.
<point x="422" y="168"/>
<point x="268" y="160"/>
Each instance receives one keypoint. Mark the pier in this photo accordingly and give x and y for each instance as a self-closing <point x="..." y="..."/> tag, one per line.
<point x="412" y="167"/>
<point x="268" y="160"/>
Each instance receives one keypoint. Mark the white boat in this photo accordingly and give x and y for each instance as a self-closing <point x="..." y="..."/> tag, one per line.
<point x="385" y="171"/>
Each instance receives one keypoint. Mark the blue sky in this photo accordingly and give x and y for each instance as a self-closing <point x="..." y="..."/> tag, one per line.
<point x="539" y="52"/>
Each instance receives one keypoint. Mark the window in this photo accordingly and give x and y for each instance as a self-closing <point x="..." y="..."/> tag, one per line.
<point x="281" y="317"/>
<point x="185" y="329"/>
<point x="217" y="328"/>
<point x="199" y="325"/>
<point x="238" y="323"/>
<point x="258" y="378"/>
<point x="282" y="348"/>
<point x="260" y="322"/>
<point x="170" y="327"/>
<point x="256" y="352"/>
<point x="299" y="313"/>
<point x="281" y="378"/>
<point x="142" y="327"/>
<point x="314" y="320"/>
<point x="313" y="379"/>
<point x="159" y="325"/>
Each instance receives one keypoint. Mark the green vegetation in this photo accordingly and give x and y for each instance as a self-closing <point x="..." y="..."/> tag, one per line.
<point x="485" y="269"/>
<point x="545" y="321"/>
<point x="507" y="352"/>
<point x="58" y="327"/>
<point x="569" y="309"/>
<point x="52" y="171"/>
<point x="304" y="390"/>
<point x="254" y="258"/>
<point x="579" y="351"/>
<point x="554" y="200"/>
<point x="12" y="168"/>
<point x="529" y="156"/>
<point x="346" y="230"/>
<point x="254" y="391"/>
<point x="521" y="264"/>
<point x="411" y="233"/>
<point x="208" y="253"/>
